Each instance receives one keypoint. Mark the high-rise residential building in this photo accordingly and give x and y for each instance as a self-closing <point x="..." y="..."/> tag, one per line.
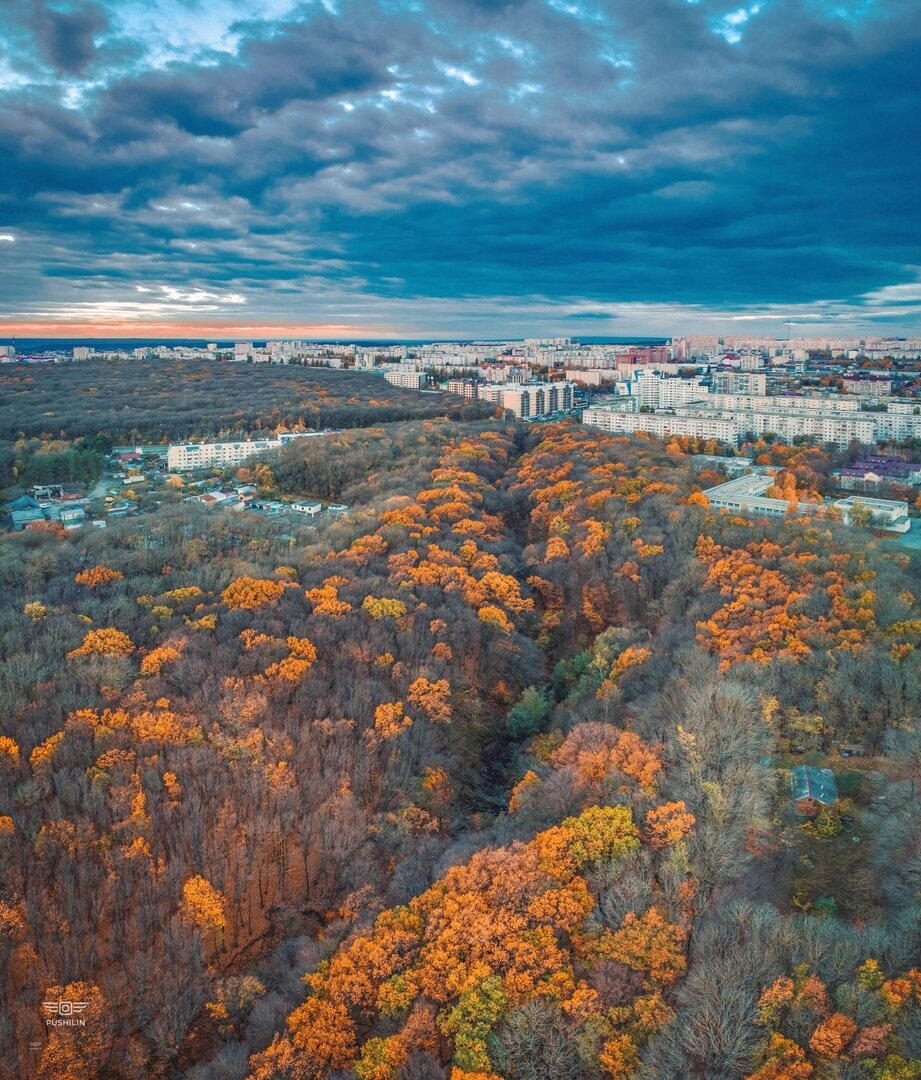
<point x="652" y="389"/>
<point x="531" y="400"/>
<point x="739" y="382"/>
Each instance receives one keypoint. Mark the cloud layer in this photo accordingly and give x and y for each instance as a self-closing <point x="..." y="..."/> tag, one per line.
<point x="461" y="166"/>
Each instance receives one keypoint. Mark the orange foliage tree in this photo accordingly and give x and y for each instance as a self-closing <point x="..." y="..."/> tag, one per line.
<point x="248" y="593"/>
<point x="488" y="937"/>
<point x="105" y="642"/>
<point x="98" y="575"/>
<point x="431" y="698"/>
<point x="163" y="654"/>
<point x="205" y="906"/>
<point x="668" y="824"/>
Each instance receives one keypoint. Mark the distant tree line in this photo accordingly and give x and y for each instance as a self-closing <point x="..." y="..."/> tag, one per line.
<point x="164" y="401"/>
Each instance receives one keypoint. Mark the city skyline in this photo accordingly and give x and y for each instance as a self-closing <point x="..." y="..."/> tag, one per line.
<point x="458" y="169"/>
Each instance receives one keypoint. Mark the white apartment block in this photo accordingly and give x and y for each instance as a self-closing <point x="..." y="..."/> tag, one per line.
<point x="242" y="351"/>
<point x="902" y="405"/>
<point x="591" y="360"/>
<point x="83" y="352"/>
<point x="740" y="382"/>
<point x="590" y="376"/>
<point x="871" y="386"/>
<point x="185" y="456"/>
<point x="704" y="421"/>
<point x="505" y="373"/>
<point x="723" y="429"/>
<point x="894" y="426"/>
<point x="530" y="400"/>
<point x="777" y="402"/>
<point x="650" y="388"/>
<point x="631" y="368"/>
<point x="181" y="457"/>
<point x="837" y="428"/>
<point x="409" y="379"/>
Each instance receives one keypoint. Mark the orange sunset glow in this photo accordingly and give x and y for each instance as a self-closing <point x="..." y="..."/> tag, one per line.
<point x="222" y="331"/>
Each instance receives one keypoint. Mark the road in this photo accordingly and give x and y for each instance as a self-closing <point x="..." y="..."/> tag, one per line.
<point x="102" y="488"/>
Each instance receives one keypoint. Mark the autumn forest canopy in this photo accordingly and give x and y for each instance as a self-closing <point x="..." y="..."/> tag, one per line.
<point x="149" y="401"/>
<point x="487" y="780"/>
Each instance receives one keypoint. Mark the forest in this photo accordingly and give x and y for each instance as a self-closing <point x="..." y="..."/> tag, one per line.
<point x="487" y="780"/>
<point x="154" y="401"/>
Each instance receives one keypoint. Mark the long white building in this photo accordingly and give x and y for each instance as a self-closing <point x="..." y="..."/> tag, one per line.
<point x="748" y="494"/>
<point x="662" y="424"/>
<point x="773" y="402"/>
<point x="181" y="457"/>
<point x="733" y="418"/>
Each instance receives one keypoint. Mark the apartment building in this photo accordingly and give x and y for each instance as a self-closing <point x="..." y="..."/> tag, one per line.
<point x="465" y="388"/>
<point x="531" y="400"/>
<point x="910" y="406"/>
<point x="652" y="389"/>
<point x="870" y="386"/>
<point x="894" y="426"/>
<point x="590" y="376"/>
<point x="181" y="457"/>
<point x="740" y="382"/>
<point x="836" y="428"/>
<point x="773" y="402"/>
<point x="185" y="456"/>
<point x="408" y="378"/>
<point x="706" y="426"/>
<point x="505" y="373"/>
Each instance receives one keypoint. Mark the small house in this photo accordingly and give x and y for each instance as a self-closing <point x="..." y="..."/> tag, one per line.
<point x="24" y="511"/>
<point x="310" y="508"/>
<point x="812" y="789"/>
<point x="72" y="517"/>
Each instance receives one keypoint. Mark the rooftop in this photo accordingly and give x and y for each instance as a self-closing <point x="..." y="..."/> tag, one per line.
<point x="808" y="782"/>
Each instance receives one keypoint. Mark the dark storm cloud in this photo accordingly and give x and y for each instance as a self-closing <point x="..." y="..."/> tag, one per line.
<point x="66" y="36"/>
<point x="625" y="151"/>
<point x="306" y="62"/>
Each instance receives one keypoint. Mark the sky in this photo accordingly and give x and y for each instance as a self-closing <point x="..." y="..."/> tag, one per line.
<point x="459" y="168"/>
